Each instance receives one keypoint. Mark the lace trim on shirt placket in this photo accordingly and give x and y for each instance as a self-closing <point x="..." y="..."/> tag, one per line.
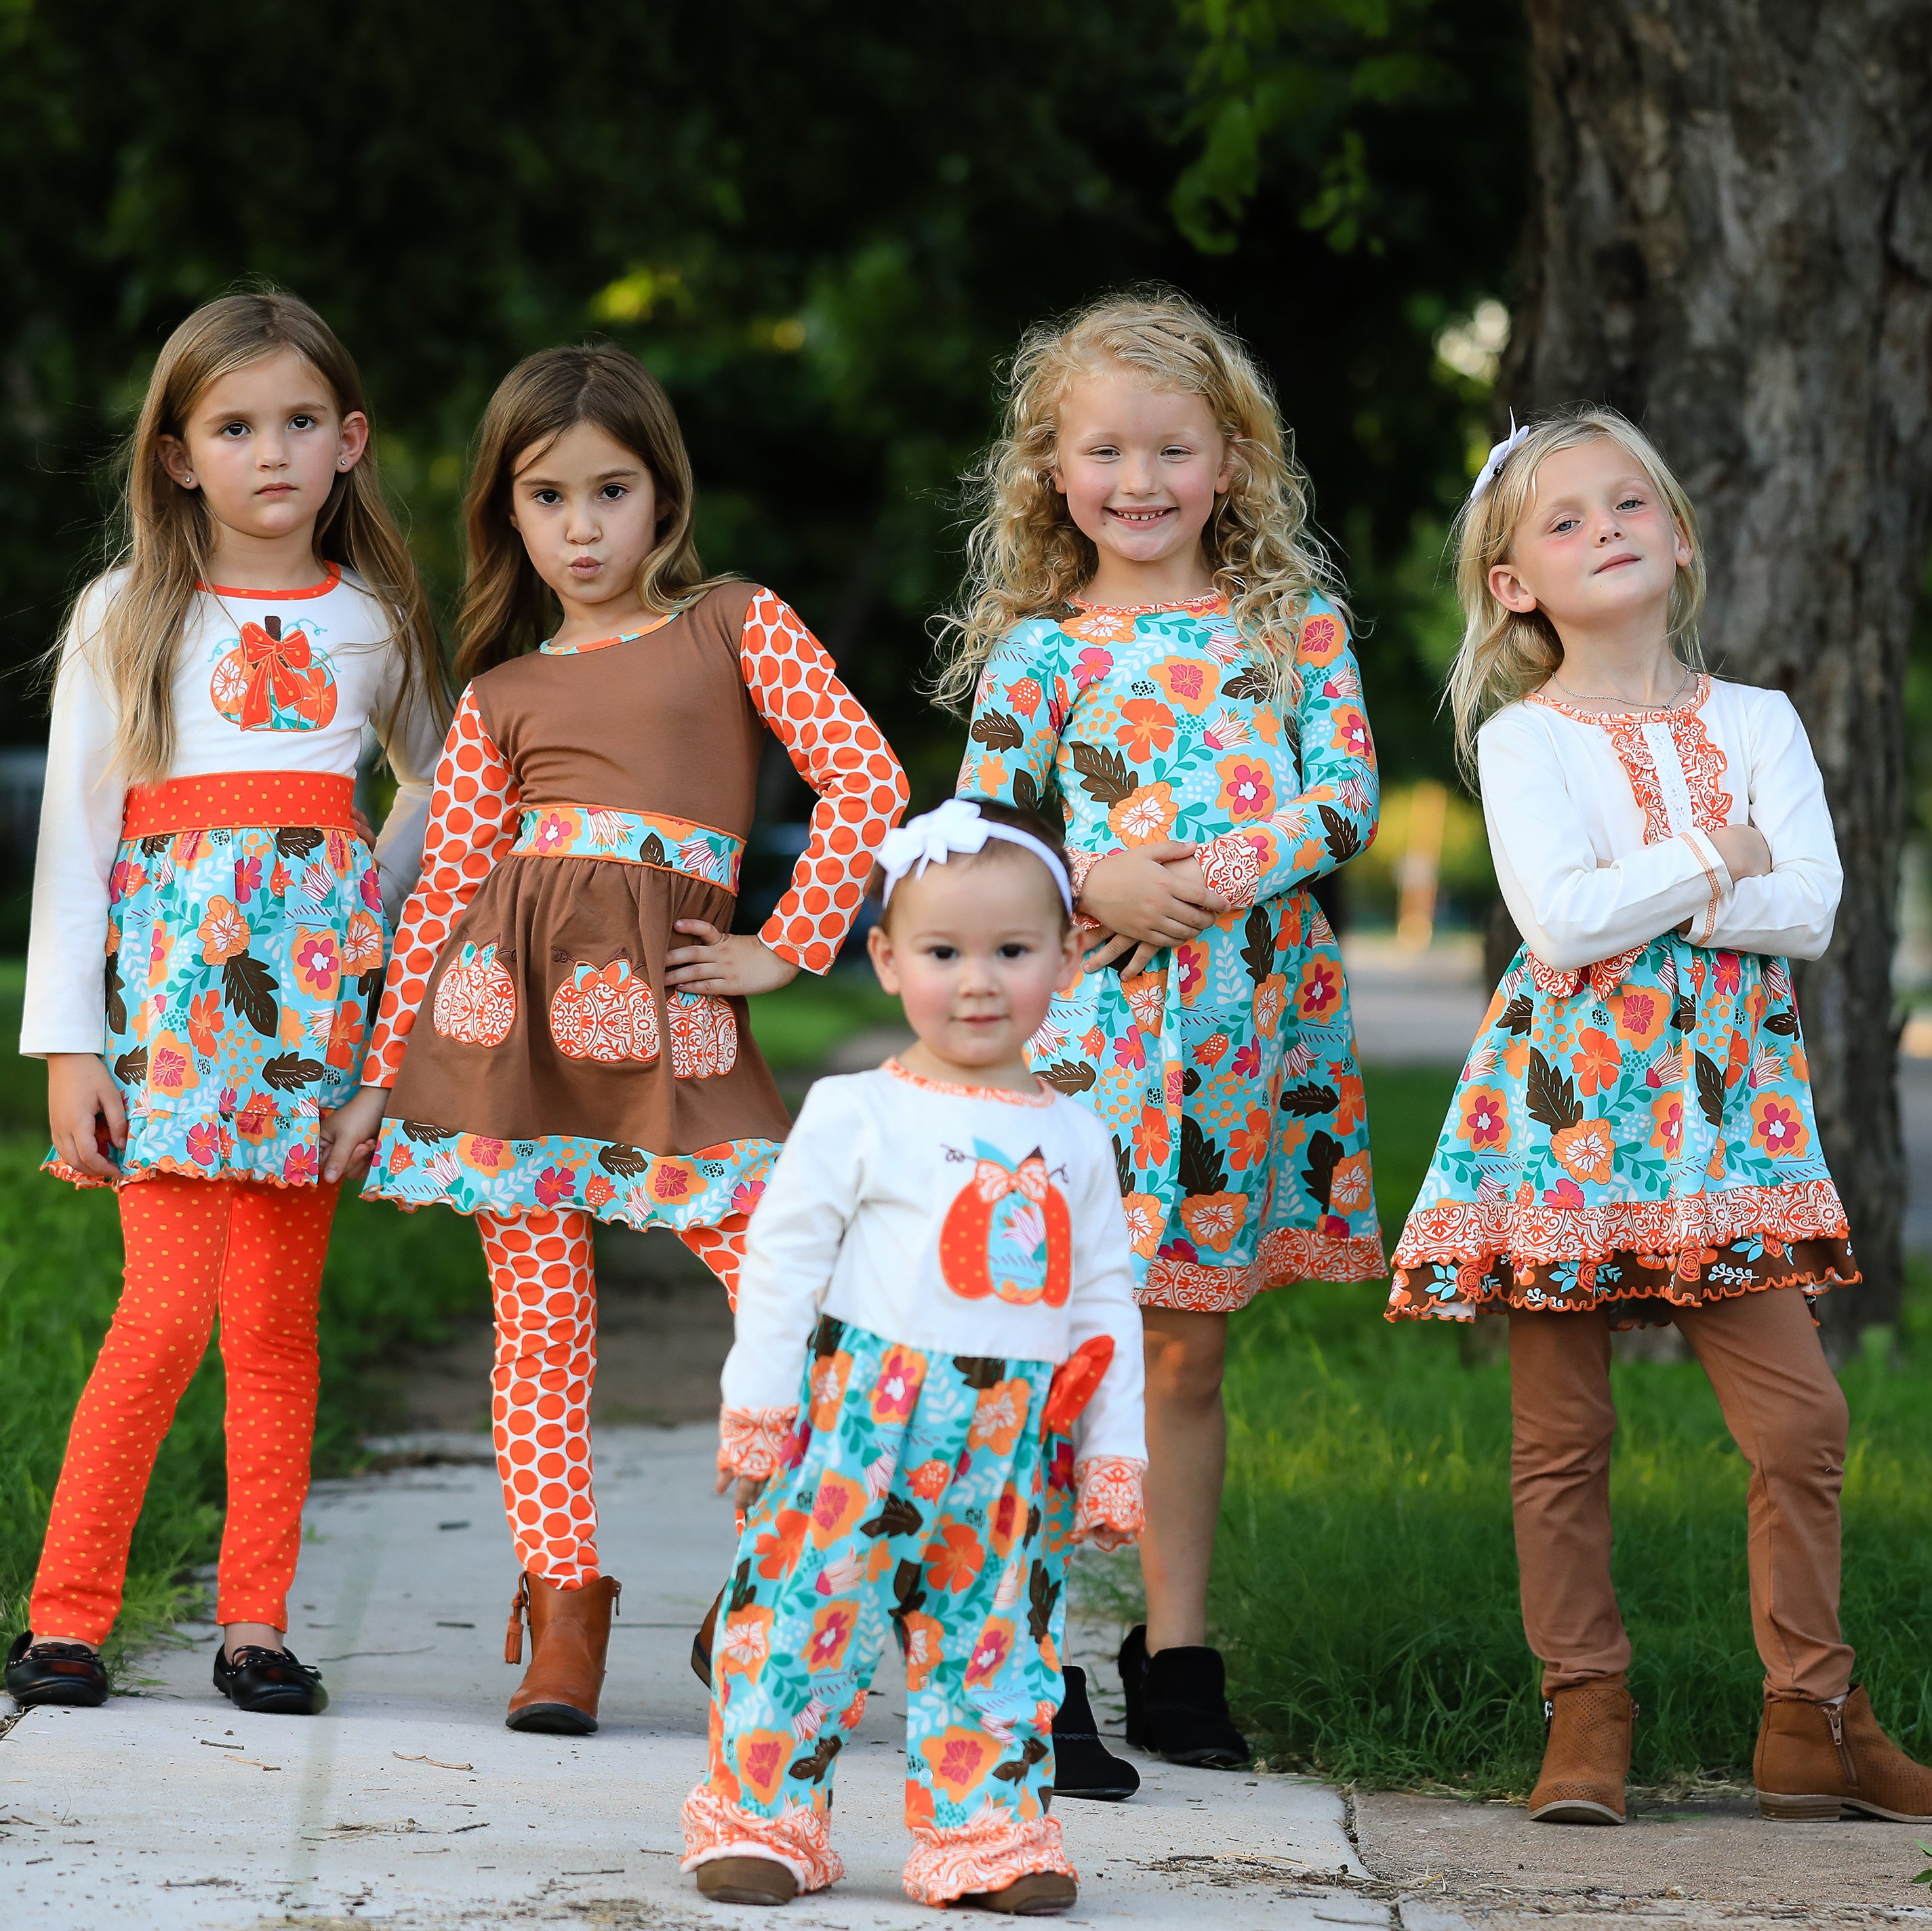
<point x="1703" y="764"/>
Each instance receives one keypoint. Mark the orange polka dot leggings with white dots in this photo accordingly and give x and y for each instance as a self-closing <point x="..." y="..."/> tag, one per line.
<point x="543" y="1280"/>
<point x="196" y="1250"/>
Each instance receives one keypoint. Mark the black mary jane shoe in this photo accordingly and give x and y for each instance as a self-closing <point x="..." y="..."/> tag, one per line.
<point x="1083" y="1766"/>
<point x="1177" y="1704"/>
<point x="68" y="1673"/>
<point x="269" y="1682"/>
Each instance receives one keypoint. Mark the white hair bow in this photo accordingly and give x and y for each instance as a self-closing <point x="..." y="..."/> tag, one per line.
<point x="956" y="825"/>
<point x="1499" y="454"/>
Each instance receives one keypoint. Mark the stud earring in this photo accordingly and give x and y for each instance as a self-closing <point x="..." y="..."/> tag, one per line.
<point x="187" y="479"/>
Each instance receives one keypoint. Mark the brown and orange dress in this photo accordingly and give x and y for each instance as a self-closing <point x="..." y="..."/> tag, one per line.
<point x="587" y="799"/>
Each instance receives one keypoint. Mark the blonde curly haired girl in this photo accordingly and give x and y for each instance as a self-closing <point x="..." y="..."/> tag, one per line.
<point x="1155" y="649"/>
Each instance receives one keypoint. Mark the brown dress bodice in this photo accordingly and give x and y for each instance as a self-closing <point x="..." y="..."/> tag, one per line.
<point x="661" y="723"/>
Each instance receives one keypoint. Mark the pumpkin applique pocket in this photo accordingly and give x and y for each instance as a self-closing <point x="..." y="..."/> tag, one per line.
<point x="1008" y="1233"/>
<point x="476" y="1000"/>
<point x="607" y="1013"/>
<point x="274" y="679"/>
<point x="703" y="1035"/>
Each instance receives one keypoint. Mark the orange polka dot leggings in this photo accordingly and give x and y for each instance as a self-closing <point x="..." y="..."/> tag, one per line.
<point x="252" y="1255"/>
<point x="543" y="1280"/>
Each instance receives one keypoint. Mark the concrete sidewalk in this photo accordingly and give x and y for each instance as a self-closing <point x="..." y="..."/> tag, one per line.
<point x="409" y="1804"/>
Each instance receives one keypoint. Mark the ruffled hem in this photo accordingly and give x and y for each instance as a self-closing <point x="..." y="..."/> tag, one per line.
<point x="132" y="1174"/>
<point x="1456" y="1256"/>
<point x="1288" y="1255"/>
<point x="799" y="1837"/>
<point x="1111" y="1493"/>
<point x="754" y="1443"/>
<point x="418" y="1166"/>
<point x="992" y="1852"/>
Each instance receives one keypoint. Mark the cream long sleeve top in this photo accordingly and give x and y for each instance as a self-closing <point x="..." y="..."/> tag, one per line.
<point x="959" y="1220"/>
<point x="344" y="629"/>
<point x="1600" y="826"/>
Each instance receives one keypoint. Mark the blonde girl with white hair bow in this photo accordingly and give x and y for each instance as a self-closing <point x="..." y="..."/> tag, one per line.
<point x="1633" y="1140"/>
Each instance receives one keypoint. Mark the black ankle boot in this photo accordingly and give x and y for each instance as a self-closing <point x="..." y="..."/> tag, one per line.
<point x="1177" y="1704"/>
<point x="269" y="1682"/>
<point x="1082" y="1765"/>
<point x="69" y="1673"/>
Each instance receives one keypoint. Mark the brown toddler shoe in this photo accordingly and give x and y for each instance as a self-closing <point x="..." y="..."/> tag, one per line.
<point x="1586" y="1754"/>
<point x="1038" y="1894"/>
<point x="1823" y="1760"/>
<point x="746" y="1881"/>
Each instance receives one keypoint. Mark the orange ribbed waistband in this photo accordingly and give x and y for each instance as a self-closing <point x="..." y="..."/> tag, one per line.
<point x="225" y="798"/>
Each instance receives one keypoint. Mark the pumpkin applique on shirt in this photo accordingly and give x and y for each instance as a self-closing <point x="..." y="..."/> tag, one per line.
<point x="476" y="1001"/>
<point x="607" y="1013"/>
<point x="275" y="678"/>
<point x="1007" y="1233"/>
<point x="703" y="1035"/>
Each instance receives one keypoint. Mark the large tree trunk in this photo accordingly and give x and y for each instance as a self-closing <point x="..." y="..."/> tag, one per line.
<point x="1730" y="238"/>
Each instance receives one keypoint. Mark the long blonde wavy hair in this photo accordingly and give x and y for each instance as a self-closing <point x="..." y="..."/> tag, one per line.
<point x="166" y="535"/>
<point x="1025" y="556"/>
<point x="1505" y="655"/>
<point x="506" y="605"/>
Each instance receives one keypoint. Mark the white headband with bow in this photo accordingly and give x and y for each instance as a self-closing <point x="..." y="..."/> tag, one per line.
<point x="1499" y="454"/>
<point x="956" y="825"/>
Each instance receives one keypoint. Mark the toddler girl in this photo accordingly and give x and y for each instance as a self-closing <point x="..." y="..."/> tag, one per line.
<point x="934" y="1388"/>
<point x="198" y="832"/>
<point x="1633" y="1140"/>
<point x="570" y="1059"/>
<point x="1150" y="655"/>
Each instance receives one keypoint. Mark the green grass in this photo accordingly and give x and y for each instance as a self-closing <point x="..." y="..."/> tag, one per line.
<point x="393" y="1282"/>
<point x="1366" y="1586"/>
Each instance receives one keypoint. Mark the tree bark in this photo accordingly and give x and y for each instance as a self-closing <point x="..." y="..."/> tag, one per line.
<point x="1730" y="238"/>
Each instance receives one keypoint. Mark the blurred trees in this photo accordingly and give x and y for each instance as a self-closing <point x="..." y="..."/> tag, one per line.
<point x="1731" y="241"/>
<point x="820" y="223"/>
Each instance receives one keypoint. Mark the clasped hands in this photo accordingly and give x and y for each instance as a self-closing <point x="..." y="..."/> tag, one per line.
<point x="1144" y="900"/>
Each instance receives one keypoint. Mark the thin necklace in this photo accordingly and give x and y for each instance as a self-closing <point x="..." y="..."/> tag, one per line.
<point x="1581" y="698"/>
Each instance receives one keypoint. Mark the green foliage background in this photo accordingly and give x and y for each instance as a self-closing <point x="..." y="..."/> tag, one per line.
<point x="822" y="224"/>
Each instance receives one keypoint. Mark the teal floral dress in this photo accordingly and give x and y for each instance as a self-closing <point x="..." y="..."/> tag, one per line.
<point x="1633" y="1131"/>
<point x="1226" y="1071"/>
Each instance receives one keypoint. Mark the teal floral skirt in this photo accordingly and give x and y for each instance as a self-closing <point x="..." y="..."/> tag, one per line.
<point x="243" y="966"/>
<point x="1640" y="1137"/>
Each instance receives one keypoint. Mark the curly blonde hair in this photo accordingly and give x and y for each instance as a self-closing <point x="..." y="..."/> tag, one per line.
<point x="1027" y="558"/>
<point x="1505" y="654"/>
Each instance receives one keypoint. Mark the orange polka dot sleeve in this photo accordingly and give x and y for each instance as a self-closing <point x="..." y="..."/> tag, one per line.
<point x="842" y="755"/>
<point x="473" y="823"/>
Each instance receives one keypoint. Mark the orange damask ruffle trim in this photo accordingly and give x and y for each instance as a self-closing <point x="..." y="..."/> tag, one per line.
<point x="1471" y="1233"/>
<point x="989" y="1854"/>
<point x="798" y="1837"/>
<point x="754" y="1443"/>
<point x="1288" y="1255"/>
<point x="1230" y="866"/>
<point x="185" y="1170"/>
<point x="1110" y="1493"/>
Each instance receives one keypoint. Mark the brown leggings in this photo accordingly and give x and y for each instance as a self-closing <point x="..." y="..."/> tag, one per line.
<point x="1786" y="1412"/>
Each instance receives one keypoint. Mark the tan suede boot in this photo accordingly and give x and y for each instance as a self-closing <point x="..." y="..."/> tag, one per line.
<point x="570" y="1635"/>
<point x="1821" y="1760"/>
<point x="1586" y="1754"/>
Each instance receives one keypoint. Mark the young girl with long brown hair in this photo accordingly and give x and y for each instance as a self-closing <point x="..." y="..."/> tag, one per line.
<point x="1152" y="638"/>
<point x="199" y="834"/>
<point x="565" y="981"/>
<point x="1633" y="1140"/>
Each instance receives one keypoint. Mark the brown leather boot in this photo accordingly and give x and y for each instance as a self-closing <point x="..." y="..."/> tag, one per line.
<point x="747" y="1880"/>
<point x="1586" y="1753"/>
<point x="1823" y="1760"/>
<point x="570" y="1634"/>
